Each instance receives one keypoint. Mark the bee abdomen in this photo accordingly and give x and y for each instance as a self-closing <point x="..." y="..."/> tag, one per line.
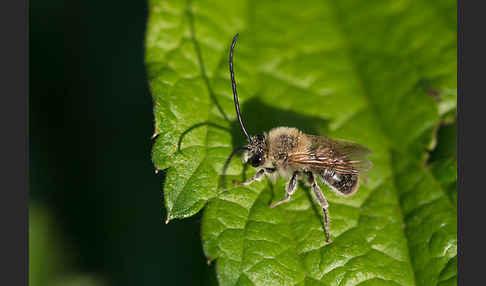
<point x="345" y="184"/>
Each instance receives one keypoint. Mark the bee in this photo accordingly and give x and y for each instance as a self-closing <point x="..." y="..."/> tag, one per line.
<point x="294" y="155"/>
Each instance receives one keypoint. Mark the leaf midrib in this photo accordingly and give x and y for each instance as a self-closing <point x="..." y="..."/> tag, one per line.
<point x="347" y="47"/>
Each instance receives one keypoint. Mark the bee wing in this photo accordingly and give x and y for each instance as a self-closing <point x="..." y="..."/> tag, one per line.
<point x="353" y="153"/>
<point x="342" y="156"/>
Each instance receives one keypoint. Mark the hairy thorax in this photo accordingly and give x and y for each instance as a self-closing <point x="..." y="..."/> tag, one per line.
<point x="282" y="142"/>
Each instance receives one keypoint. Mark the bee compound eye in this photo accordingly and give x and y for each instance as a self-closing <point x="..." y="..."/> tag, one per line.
<point x="256" y="160"/>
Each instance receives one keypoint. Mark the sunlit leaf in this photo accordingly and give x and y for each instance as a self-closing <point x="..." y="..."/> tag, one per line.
<point x="366" y="71"/>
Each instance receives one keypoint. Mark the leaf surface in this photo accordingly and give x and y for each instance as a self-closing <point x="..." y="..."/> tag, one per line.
<point x="358" y="70"/>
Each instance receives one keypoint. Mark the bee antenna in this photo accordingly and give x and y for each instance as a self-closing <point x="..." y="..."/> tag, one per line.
<point x="233" y="83"/>
<point x="233" y="153"/>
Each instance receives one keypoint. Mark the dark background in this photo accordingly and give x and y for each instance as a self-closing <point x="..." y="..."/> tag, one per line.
<point x="90" y="147"/>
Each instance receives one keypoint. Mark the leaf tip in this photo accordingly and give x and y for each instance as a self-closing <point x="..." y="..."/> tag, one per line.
<point x="167" y="220"/>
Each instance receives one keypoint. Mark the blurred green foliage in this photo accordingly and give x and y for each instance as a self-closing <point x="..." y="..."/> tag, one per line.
<point x="44" y="261"/>
<point x="49" y="256"/>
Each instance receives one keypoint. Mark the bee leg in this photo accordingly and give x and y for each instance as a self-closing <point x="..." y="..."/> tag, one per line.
<point x="270" y="170"/>
<point x="289" y="190"/>
<point x="257" y="177"/>
<point x="322" y="202"/>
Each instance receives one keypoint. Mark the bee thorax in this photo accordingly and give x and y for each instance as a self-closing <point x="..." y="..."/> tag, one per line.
<point x="284" y="141"/>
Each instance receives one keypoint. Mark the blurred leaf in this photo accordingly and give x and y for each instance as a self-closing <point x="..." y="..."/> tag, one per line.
<point x="49" y="262"/>
<point x="80" y="280"/>
<point x="46" y="262"/>
<point x="364" y="76"/>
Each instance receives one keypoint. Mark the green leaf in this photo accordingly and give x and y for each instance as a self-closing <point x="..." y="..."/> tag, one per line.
<point x="357" y="70"/>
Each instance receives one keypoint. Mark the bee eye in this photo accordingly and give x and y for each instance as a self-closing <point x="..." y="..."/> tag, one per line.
<point x="256" y="160"/>
<point x="260" y="137"/>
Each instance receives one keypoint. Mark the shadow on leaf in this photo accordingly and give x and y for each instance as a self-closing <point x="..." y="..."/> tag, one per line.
<point x="259" y="117"/>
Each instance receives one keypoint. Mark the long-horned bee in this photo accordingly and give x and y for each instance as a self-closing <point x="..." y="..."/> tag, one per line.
<point x="288" y="152"/>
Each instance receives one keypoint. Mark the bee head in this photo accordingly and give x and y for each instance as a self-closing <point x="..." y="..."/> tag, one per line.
<point x="256" y="150"/>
